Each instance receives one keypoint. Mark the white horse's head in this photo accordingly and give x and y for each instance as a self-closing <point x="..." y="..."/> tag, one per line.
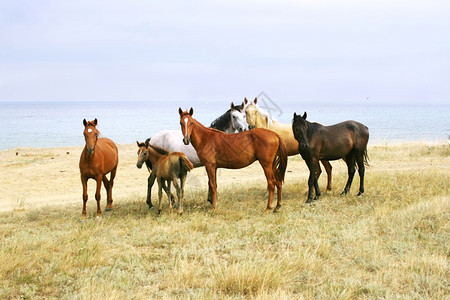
<point x="238" y="118"/>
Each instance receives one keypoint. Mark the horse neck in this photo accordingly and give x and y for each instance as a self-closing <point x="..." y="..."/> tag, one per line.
<point x="221" y="122"/>
<point x="199" y="132"/>
<point x="154" y="155"/>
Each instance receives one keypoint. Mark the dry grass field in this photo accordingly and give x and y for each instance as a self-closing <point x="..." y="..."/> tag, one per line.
<point x="393" y="242"/>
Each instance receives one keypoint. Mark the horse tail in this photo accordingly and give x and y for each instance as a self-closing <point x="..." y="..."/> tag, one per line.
<point x="280" y="162"/>
<point x="186" y="163"/>
<point x="366" y="158"/>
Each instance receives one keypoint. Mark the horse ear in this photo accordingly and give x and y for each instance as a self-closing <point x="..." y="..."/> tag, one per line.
<point x="245" y="100"/>
<point x="295" y="115"/>
<point x="232" y="106"/>
<point x="84" y="122"/>
<point x="137" y="143"/>
<point x="304" y="116"/>
<point x="147" y="142"/>
<point x="191" y="111"/>
<point x="95" y="122"/>
<point x="180" y="111"/>
<point x="256" y="100"/>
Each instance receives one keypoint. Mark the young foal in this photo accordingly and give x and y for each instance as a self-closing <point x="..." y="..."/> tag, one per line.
<point x="347" y="140"/>
<point x="166" y="166"/>
<point x="99" y="157"/>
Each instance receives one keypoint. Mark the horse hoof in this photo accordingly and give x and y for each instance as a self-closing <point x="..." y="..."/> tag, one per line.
<point x="359" y="194"/>
<point x="151" y="207"/>
<point x="266" y="211"/>
<point x="309" y="200"/>
<point x="108" y="209"/>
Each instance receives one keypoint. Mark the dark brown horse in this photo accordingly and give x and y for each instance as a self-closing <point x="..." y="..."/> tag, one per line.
<point x="217" y="149"/>
<point x="99" y="157"/>
<point x="347" y="140"/>
<point x="165" y="167"/>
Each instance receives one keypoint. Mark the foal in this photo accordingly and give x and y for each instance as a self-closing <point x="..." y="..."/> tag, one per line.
<point x="166" y="166"/>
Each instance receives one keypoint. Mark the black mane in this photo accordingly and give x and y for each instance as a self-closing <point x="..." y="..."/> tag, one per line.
<point x="159" y="150"/>
<point x="222" y="122"/>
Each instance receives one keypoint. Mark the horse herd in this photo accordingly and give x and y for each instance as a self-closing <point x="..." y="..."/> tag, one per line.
<point x="227" y="143"/>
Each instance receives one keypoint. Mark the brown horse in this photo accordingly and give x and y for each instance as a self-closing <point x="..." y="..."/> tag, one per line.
<point x="347" y="140"/>
<point x="165" y="167"/>
<point x="258" y="118"/>
<point x="217" y="149"/>
<point x="99" y="157"/>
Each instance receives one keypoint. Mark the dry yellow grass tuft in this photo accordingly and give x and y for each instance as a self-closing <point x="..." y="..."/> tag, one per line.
<point x="393" y="242"/>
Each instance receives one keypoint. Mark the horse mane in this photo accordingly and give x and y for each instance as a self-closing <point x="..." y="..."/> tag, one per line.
<point x="264" y="113"/>
<point x="159" y="150"/>
<point x="222" y="122"/>
<point x="313" y="128"/>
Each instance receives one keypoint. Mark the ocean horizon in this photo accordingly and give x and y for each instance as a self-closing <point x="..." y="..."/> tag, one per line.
<point x="60" y="124"/>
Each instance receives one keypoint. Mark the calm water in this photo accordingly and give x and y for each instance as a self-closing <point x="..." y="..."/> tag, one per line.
<point x="48" y="124"/>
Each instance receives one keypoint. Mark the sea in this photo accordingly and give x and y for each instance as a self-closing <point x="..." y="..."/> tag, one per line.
<point x="60" y="124"/>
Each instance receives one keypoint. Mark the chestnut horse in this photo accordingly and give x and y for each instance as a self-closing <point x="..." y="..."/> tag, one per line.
<point x="258" y="118"/>
<point x="217" y="149"/>
<point x="99" y="157"/>
<point x="347" y="140"/>
<point x="165" y="167"/>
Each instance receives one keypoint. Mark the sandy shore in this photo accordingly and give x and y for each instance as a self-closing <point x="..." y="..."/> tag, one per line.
<point x="33" y="177"/>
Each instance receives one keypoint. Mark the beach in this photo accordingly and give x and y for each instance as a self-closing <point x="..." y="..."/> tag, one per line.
<point x="36" y="177"/>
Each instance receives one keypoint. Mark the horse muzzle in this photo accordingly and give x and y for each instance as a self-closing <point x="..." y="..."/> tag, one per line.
<point x="251" y="126"/>
<point x="186" y="140"/>
<point x="90" y="150"/>
<point x="139" y="164"/>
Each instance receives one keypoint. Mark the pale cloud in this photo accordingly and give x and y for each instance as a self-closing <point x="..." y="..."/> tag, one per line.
<point x="293" y="50"/>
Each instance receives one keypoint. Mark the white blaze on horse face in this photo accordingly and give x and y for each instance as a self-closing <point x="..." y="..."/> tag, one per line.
<point x="90" y="130"/>
<point x="186" y="120"/>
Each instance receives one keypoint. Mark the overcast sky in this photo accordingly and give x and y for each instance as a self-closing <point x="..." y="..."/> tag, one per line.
<point x="327" y="51"/>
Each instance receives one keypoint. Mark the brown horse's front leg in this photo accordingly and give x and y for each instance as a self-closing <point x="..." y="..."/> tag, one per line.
<point x="98" y="195"/>
<point x="211" y="170"/>
<point x="85" y="195"/>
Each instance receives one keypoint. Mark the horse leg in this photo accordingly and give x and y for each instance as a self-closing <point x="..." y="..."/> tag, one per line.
<point x="279" y="186"/>
<point x="99" y="180"/>
<point x="326" y="164"/>
<point x="160" y="187"/>
<point x="182" y="183"/>
<point x="150" y="182"/>
<point x="85" y="195"/>
<point x="177" y="187"/>
<point x="350" y="161"/>
<point x="270" y="177"/>
<point x="316" y="179"/>
<point x="361" y="170"/>
<point x="211" y="170"/>
<point x="311" y="180"/>
<point x="109" y="201"/>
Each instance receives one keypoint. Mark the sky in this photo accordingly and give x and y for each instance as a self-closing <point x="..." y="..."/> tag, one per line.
<point x="139" y="50"/>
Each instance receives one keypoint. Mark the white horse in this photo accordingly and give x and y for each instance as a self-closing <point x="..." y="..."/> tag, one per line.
<point x="172" y="141"/>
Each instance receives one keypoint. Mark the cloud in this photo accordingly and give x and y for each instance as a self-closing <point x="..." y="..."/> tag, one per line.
<point x="114" y="50"/>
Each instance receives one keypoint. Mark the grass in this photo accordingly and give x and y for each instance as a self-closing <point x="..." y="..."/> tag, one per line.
<point x="391" y="243"/>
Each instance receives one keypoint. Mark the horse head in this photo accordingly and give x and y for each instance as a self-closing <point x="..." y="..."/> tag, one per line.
<point x="91" y="135"/>
<point x="186" y="124"/>
<point x="237" y="117"/>
<point x="142" y="153"/>
<point x="255" y="116"/>
<point x="300" y="129"/>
